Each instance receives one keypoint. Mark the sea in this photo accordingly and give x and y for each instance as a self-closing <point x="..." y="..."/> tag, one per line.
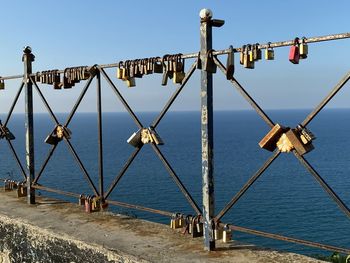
<point x="285" y="200"/>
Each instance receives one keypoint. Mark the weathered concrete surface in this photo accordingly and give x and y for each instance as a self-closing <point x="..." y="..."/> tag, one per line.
<point x="53" y="231"/>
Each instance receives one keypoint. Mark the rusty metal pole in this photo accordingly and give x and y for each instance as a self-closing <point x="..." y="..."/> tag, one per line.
<point x="207" y="23"/>
<point x="207" y="130"/>
<point x="27" y="59"/>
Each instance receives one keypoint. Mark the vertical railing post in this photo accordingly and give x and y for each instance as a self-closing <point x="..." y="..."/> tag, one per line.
<point x="100" y="134"/>
<point x="27" y="59"/>
<point x="207" y="131"/>
<point x="206" y="26"/>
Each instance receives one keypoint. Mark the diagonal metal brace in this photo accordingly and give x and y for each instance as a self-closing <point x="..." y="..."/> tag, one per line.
<point x="245" y="94"/>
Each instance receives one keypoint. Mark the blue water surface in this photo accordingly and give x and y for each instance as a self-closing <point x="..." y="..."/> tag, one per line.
<point x="285" y="200"/>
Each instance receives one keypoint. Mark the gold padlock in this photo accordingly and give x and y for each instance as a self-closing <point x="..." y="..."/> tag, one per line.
<point x="251" y="53"/>
<point x="247" y="63"/>
<point x="120" y="70"/>
<point x="178" y="77"/>
<point x="303" y="49"/>
<point x="130" y="82"/>
<point x="241" y="55"/>
<point x="257" y="52"/>
<point x="2" y="84"/>
<point x="218" y="232"/>
<point x="227" y="234"/>
<point x="269" y="52"/>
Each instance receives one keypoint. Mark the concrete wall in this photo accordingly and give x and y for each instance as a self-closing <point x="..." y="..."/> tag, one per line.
<point x="21" y="242"/>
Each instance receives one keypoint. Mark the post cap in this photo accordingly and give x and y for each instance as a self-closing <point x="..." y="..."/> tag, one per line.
<point x="27" y="50"/>
<point x="205" y="14"/>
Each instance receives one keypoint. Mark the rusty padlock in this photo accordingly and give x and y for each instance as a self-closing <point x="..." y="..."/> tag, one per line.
<point x="230" y="64"/>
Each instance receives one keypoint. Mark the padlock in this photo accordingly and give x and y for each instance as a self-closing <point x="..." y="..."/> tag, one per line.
<point x="305" y="134"/>
<point x="303" y="49"/>
<point x="135" y="139"/>
<point x="227" y="234"/>
<point x="131" y="69"/>
<point x="81" y="200"/>
<point x="6" y="185"/>
<point x="247" y="63"/>
<point x="209" y="64"/>
<point x="66" y="80"/>
<point x="157" y="65"/>
<point x="56" y="80"/>
<point x="179" y="73"/>
<point x="294" y="52"/>
<point x="197" y="227"/>
<point x="155" y="136"/>
<point x="148" y="66"/>
<point x="166" y="73"/>
<point x="241" y="55"/>
<point x="21" y="190"/>
<point x="125" y="70"/>
<point x="269" y="52"/>
<point x="256" y="52"/>
<point x="251" y="53"/>
<point x="199" y="61"/>
<point x="130" y="82"/>
<point x="270" y="140"/>
<point x="218" y="232"/>
<point x="2" y="84"/>
<point x="120" y="70"/>
<point x="293" y="136"/>
<point x="230" y="64"/>
<point x="88" y="204"/>
<point x="181" y="220"/>
<point x="136" y="65"/>
<point x="50" y="77"/>
<point x="37" y="77"/>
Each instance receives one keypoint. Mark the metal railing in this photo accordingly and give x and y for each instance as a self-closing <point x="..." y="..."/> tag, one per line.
<point x="205" y="56"/>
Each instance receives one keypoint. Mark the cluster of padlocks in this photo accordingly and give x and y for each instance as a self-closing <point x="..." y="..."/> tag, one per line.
<point x="10" y="185"/>
<point x="71" y="76"/>
<point x="145" y="136"/>
<point x="90" y="203"/>
<point x="251" y="53"/>
<point x="57" y="135"/>
<point x="287" y="139"/>
<point x="171" y="66"/>
<point x="193" y="226"/>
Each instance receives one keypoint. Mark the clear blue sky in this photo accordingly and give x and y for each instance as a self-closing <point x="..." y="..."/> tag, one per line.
<point x="72" y="33"/>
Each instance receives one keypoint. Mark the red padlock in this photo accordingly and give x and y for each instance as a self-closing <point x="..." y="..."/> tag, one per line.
<point x="294" y="52"/>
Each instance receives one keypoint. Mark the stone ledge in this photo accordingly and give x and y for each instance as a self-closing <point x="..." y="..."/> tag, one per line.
<point x="54" y="231"/>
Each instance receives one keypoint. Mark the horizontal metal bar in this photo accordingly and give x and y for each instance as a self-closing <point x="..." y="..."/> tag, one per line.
<point x="112" y="202"/>
<point x="138" y="207"/>
<point x="226" y="51"/>
<point x="12" y="77"/>
<point x="52" y="190"/>
<point x="289" y="239"/>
